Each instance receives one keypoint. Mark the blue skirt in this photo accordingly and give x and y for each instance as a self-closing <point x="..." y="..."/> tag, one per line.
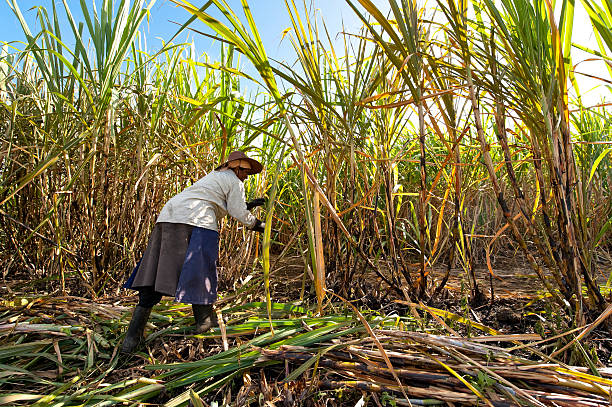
<point x="195" y="277"/>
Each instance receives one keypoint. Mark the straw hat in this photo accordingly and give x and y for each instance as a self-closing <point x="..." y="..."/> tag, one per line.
<point x="238" y="158"/>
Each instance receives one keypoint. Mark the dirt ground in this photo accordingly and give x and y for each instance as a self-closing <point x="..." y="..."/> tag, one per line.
<point x="517" y="306"/>
<point x="512" y="280"/>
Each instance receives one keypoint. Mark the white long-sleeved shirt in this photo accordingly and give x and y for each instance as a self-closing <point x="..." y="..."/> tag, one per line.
<point x="207" y="201"/>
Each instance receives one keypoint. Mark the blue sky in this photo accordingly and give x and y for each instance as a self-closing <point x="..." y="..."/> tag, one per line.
<point x="270" y="15"/>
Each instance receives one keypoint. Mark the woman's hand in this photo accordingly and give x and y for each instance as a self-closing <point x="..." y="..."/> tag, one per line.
<point x="259" y="226"/>
<point x="255" y="203"/>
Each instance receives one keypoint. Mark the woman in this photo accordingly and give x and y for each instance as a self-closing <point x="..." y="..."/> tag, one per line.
<point x="180" y="258"/>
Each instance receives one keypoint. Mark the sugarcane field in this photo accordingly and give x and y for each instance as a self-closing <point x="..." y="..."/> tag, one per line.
<point x="306" y="203"/>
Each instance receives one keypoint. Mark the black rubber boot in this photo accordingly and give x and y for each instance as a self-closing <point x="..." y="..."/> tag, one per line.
<point x="135" y="332"/>
<point x="205" y="317"/>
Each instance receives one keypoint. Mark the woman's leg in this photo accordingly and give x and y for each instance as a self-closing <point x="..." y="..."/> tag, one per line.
<point x="148" y="297"/>
<point x="204" y="316"/>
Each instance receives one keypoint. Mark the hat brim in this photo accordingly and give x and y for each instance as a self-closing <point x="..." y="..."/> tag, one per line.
<point x="256" y="166"/>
